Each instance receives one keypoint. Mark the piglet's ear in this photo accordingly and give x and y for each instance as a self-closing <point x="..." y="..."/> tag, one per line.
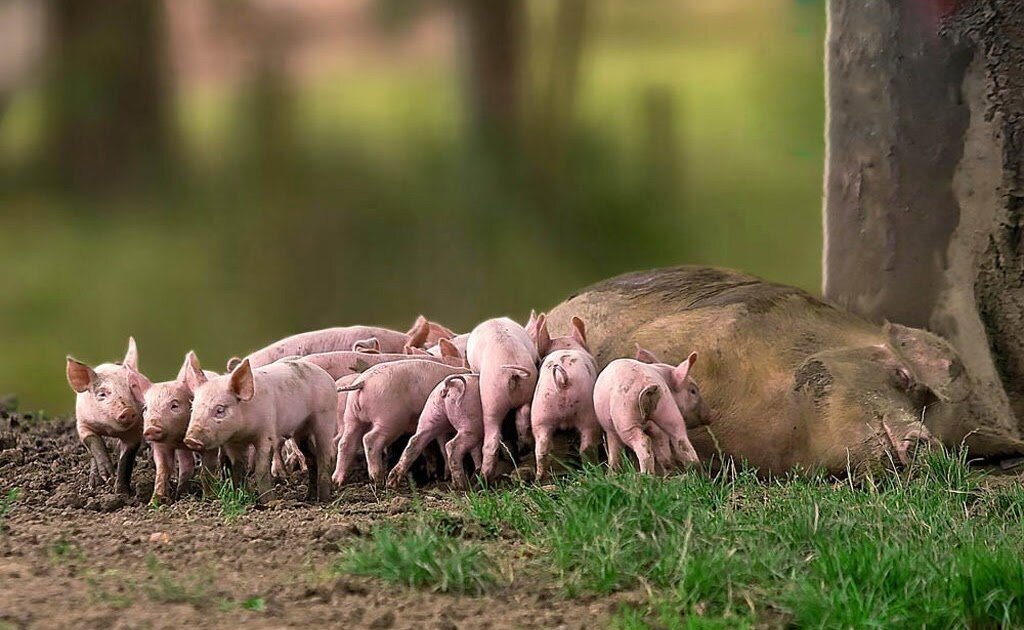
<point x="242" y="383"/>
<point x="370" y="346"/>
<point x="579" y="331"/>
<point x="683" y="369"/>
<point x="80" y="375"/>
<point x="646" y="356"/>
<point x="194" y="375"/>
<point x="532" y="322"/>
<point x="448" y="349"/>
<point x="541" y="337"/>
<point x="138" y="384"/>
<point x="131" y="357"/>
<point x="419" y="332"/>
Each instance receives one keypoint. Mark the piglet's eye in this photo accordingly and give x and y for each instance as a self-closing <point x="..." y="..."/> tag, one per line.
<point x="174" y="405"/>
<point x="693" y="391"/>
<point x="102" y="394"/>
<point x="220" y="411"/>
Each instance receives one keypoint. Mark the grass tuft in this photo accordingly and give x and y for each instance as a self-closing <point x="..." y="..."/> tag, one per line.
<point x="7" y="504"/>
<point x="166" y="588"/>
<point x="425" y="554"/>
<point x="234" y="502"/>
<point x="934" y="546"/>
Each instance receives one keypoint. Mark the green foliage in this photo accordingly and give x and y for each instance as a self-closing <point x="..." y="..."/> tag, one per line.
<point x="165" y="587"/>
<point x="934" y="547"/>
<point x="234" y="502"/>
<point x="425" y="553"/>
<point x="255" y="604"/>
<point x="7" y="504"/>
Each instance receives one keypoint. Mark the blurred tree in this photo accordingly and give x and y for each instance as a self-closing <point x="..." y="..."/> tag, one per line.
<point x="552" y="122"/>
<point x="924" y="207"/>
<point x="107" y="94"/>
<point x="492" y="35"/>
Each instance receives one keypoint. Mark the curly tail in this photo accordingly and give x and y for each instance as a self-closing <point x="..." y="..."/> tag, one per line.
<point x="351" y="388"/>
<point x="560" y="375"/>
<point x="647" y="400"/>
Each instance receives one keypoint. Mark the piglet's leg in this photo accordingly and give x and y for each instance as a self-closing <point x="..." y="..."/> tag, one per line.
<point x="524" y="431"/>
<point x="125" y="466"/>
<point x="492" y="441"/>
<point x="590" y="440"/>
<point x="306" y="447"/>
<point x="186" y="470"/>
<point x="374" y="444"/>
<point x="663" y="459"/>
<point x="635" y="438"/>
<point x="102" y="469"/>
<point x="456" y="450"/>
<point x="614" y="450"/>
<point x="210" y="470"/>
<point x="670" y="420"/>
<point x="430" y="427"/>
<point x="163" y="458"/>
<point x="237" y="458"/>
<point x="542" y="434"/>
<point x="264" y="483"/>
<point x="347" y="450"/>
<point x="323" y="456"/>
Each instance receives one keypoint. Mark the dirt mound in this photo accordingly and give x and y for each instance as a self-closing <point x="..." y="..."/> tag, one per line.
<point x="74" y="556"/>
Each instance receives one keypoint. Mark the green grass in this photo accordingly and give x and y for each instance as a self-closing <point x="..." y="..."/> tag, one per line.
<point x="255" y="604"/>
<point x="167" y="587"/>
<point x="936" y="547"/>
<point x="234" y="502"/>
<point x="7" y="504"/>
<point x="424" y="553"/>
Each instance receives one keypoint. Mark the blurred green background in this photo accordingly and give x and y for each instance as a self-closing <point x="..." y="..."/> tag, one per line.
<point x="216" y="174"/>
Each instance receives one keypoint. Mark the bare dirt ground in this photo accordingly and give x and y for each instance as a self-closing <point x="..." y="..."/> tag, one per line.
<point x="75" y="557"/>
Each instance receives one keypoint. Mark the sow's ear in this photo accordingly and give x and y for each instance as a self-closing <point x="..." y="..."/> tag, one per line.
<point x="80" y="375"/>
<point x="931" y="360"/>
<point x="242" y="382"/>
<point x="813" y="378"/>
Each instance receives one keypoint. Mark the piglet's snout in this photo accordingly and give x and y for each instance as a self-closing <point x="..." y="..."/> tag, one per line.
<point x="193" y="444"/>
<point x="153" y="433"/>
<point x="127" y="416"/>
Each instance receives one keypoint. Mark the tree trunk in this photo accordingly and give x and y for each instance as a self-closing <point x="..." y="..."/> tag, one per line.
<point x="492" y="55"/>
<point x="924" y="186"/>
<point x="108" y="101"/>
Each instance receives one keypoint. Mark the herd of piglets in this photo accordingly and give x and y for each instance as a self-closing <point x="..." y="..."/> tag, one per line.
<point x="324" y="401"/>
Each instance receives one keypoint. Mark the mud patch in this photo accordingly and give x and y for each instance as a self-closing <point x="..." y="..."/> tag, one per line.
<point x="71" y="556"/>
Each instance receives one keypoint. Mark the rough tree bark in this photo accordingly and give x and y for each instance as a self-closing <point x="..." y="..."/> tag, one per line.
<point x="924" y="185"/>
<point x="108" y="96"/>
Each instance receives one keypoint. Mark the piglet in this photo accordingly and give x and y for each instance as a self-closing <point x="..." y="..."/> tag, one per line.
<point x="564" y="398"/>
<point x="339" y="364"/>
<point x="106" y="406"/>
<point x="260" y="407"/>
<point x="630" y="397"/>
<point x="346" y="338"/>
<point x="165" y="414"/>
<point x="383" y="404"/>
<point x="452" y="410"/>
<point x="505" y="356"/>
